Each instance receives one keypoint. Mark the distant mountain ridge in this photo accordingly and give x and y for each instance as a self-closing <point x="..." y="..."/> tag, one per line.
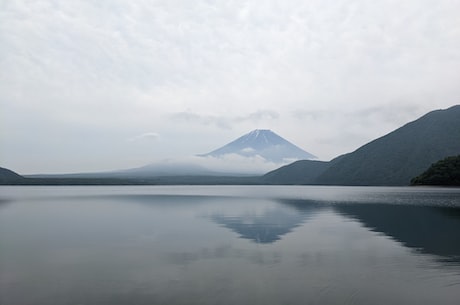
<point x="257" y="143"/>
<point x="393" y="159"/>
<point x="264" y="143"/>
<point x="8" y="176"/>
<point x="167" y="169"/>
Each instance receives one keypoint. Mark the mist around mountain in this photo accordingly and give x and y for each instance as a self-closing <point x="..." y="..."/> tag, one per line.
<point x="393" y="159"/>
<point x="229" y="166"/>
<point x="252" y="154"/>
<point x="262" y="143"/>
<point x="167" y="168"/>
<point x="108" y="179"/>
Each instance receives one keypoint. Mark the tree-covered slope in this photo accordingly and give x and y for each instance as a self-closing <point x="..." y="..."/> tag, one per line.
<point x="443" y="172"/>
<point x="299" y="172"/>
<point x="400" y="155"/>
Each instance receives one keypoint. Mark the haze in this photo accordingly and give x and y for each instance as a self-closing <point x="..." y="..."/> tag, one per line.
<point x="97" y="85"/>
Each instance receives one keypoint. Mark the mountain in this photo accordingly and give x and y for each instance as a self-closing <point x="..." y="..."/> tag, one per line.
<point x="443" y="172"/>
<point x="393" y="159"/>
<point x="7" y="176"/>
<point x="167" y="169"/>
<point x="299" y="172"/>
<point x="229" y="164"/>
<point x="264" y="143"/>
<point x="168" y="172"/>
<point x="397" y="157"/>
<point x="160" y="169"/>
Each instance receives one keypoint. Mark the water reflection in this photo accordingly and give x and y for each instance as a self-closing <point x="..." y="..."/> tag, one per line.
<point x="186" y="258"/>
<point x="222" y="252"/>
<point x="269" y="226"/>
<point x="4" y="202"/>
<point x="426" y="229"/>
<point x="142" y="246"/>
<point x="430" y="230"/>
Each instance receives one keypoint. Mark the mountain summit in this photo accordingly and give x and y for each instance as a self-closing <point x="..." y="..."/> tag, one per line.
<point x="264" y="143"/>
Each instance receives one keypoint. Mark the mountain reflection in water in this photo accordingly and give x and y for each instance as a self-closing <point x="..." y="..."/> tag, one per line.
<point x="229" y="245"/>
<point x="426" y="229"/>
<point x="269" y="226"/>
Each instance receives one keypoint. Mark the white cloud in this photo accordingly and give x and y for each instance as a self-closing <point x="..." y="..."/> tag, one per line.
<point x="345" y="67"/>
<point x="195" y="118"/>
<point x="248" y="150"/>
<point x="234" y="163"/>
<point x="145" y="136"/>
<point x="225" y="121"/>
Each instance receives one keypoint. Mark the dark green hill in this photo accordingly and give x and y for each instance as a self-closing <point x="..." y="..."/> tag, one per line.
<point x="299" y="172"/>
<point x="443" y="172"/>
<point x="400" y="155"/>
<point x="9" y="177"/>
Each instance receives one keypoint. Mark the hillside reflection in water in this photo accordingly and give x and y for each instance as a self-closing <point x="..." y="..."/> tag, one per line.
<point x="294" y="245"/>
<point x="426" y="229"/>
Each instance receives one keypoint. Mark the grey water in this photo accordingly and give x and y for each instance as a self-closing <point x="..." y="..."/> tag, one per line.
<point x="229" y="245"/>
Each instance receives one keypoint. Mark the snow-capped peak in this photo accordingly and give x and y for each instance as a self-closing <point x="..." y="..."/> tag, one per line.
<point x="264" y="143"/>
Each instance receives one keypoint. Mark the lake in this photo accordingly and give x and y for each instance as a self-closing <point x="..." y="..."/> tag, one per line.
<point x="170" y="245"/>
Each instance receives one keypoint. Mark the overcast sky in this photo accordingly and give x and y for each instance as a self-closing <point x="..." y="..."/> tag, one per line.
<point x="98" y="85"/>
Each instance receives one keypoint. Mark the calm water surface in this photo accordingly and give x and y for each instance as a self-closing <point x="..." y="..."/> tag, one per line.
<point x="229" y="245"/>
